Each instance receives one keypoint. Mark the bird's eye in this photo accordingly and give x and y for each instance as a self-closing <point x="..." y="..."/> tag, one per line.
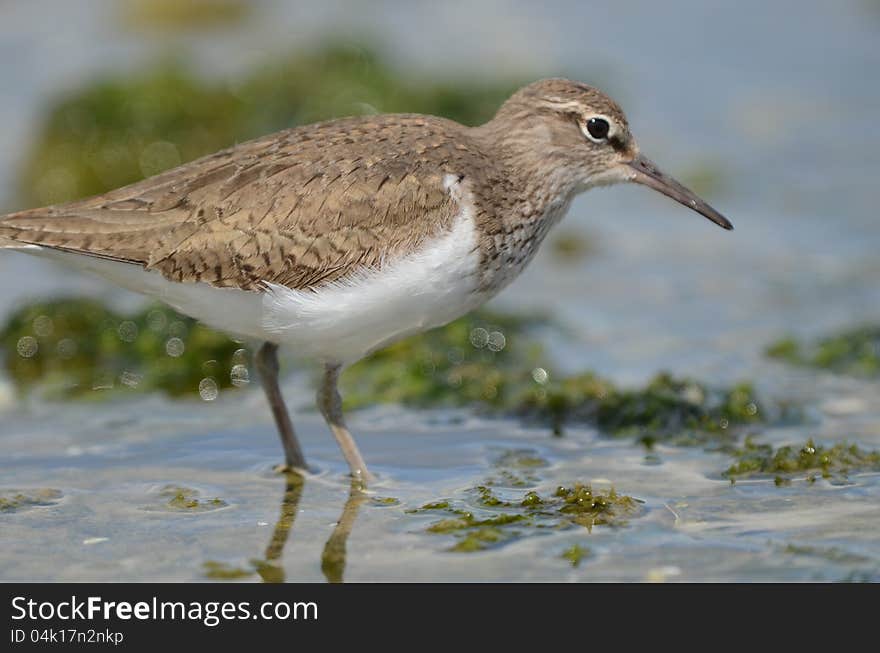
<point x="597" y="129"/>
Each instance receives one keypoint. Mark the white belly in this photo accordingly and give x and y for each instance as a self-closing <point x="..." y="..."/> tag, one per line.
<point x="346" y="320"/>
<point x="339" y="322"/>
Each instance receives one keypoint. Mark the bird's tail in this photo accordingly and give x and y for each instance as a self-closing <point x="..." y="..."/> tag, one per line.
<point x="14" y="237"/>
<point x="9" y="241"/>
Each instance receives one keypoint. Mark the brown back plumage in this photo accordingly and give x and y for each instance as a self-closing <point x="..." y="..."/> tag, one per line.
<point x="297" y="208"/>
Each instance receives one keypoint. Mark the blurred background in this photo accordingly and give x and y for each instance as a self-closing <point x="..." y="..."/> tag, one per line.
<point x="767" y="110"/>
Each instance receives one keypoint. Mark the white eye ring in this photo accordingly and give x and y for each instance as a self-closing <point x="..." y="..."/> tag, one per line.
<point x="598" y="128"/>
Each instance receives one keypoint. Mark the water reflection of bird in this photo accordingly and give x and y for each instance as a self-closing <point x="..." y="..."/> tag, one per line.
<point x="270" y="567"/>
<point x="341" y="237"/>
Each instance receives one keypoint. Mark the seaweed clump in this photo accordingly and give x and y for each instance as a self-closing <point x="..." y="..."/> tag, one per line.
<point x="79" y="348"/>
<point x="216" y="570"/>
<point x="184" y="499"/>
<point x="483" y="359"/>
<point x="457" y="365"/>
<point x="499" y="511"/>
<point x="784" y="463"/>
<point x="493" y="521"/>
<point x="15" y="500"/>
<point x="682" y="411"/>
<point x="575" y="554"/>
<point x="855" y="352"/>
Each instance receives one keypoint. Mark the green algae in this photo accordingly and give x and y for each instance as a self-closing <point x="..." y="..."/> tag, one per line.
<point x="183" y="499"/>
<point x="434" y="505"/>
<point x="482" y="538"/>
<point x="575" y="554"/>
<point x="466" y="520"/>
<point x="267" y="570"/>
<point x="216" y="570"/>
<point x="682" y="411"/>
<point x="488" y="516"/>
<point x="17" y="500"/>
<point x="449" y="367"/>
<point x="122" y="128"/>
<point x="487" y="522"/>
<point x="384" y="501"/>
<point x="783" y="464"/>
<point x="854" y="352"/>
<point x="479" y="360"/>
<point x="488" y="499"/>
<point x="588" y="508"/>
<point x="78" y="348"/>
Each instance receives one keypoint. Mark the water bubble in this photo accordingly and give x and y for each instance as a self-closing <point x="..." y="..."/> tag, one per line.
<point x="751" y="409"/>
<point x="27" y="346"/>
<point x="210" y="367"/>
<point x="130" y="379"/>
<point x="239" y="375"/>
<point x="128" y="331"/>
<point x="177" y="329"/>
<point x="240" y="357"/>
<point x="496" y="341"/>
<point x="103" y="381"/>
<point x="479" y="337"/>
<point x="540" y="375"/>
<point x="693" y="394"/>
<point x="43" y="326"/>
<point x="66" y="348"/>
<point x="455" y="355"/>
<point x="174" y="347"/>
<point x="208" y="389"/>
<point x="157" y="320"/>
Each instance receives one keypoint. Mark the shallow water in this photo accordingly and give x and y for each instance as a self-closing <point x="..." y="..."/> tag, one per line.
<point x="739" y="88"/>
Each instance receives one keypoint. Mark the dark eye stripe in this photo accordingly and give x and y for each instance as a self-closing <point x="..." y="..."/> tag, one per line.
<point x="598" y="128"/>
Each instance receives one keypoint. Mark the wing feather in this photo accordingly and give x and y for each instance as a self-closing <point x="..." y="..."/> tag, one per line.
<point x="298" y="208"/>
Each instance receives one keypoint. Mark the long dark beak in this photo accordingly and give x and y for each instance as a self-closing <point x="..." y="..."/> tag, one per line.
<point x="645" y="172"/>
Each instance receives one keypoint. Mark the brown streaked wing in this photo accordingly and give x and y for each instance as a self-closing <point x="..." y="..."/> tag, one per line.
<point x="298" y="208"/>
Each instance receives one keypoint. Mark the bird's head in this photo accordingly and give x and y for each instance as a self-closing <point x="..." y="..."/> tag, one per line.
<point x="579" y="136"/>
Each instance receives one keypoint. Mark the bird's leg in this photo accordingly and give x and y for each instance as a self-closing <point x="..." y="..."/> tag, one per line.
<point x="267" y="368"/>
<point x="330" y="405"/>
